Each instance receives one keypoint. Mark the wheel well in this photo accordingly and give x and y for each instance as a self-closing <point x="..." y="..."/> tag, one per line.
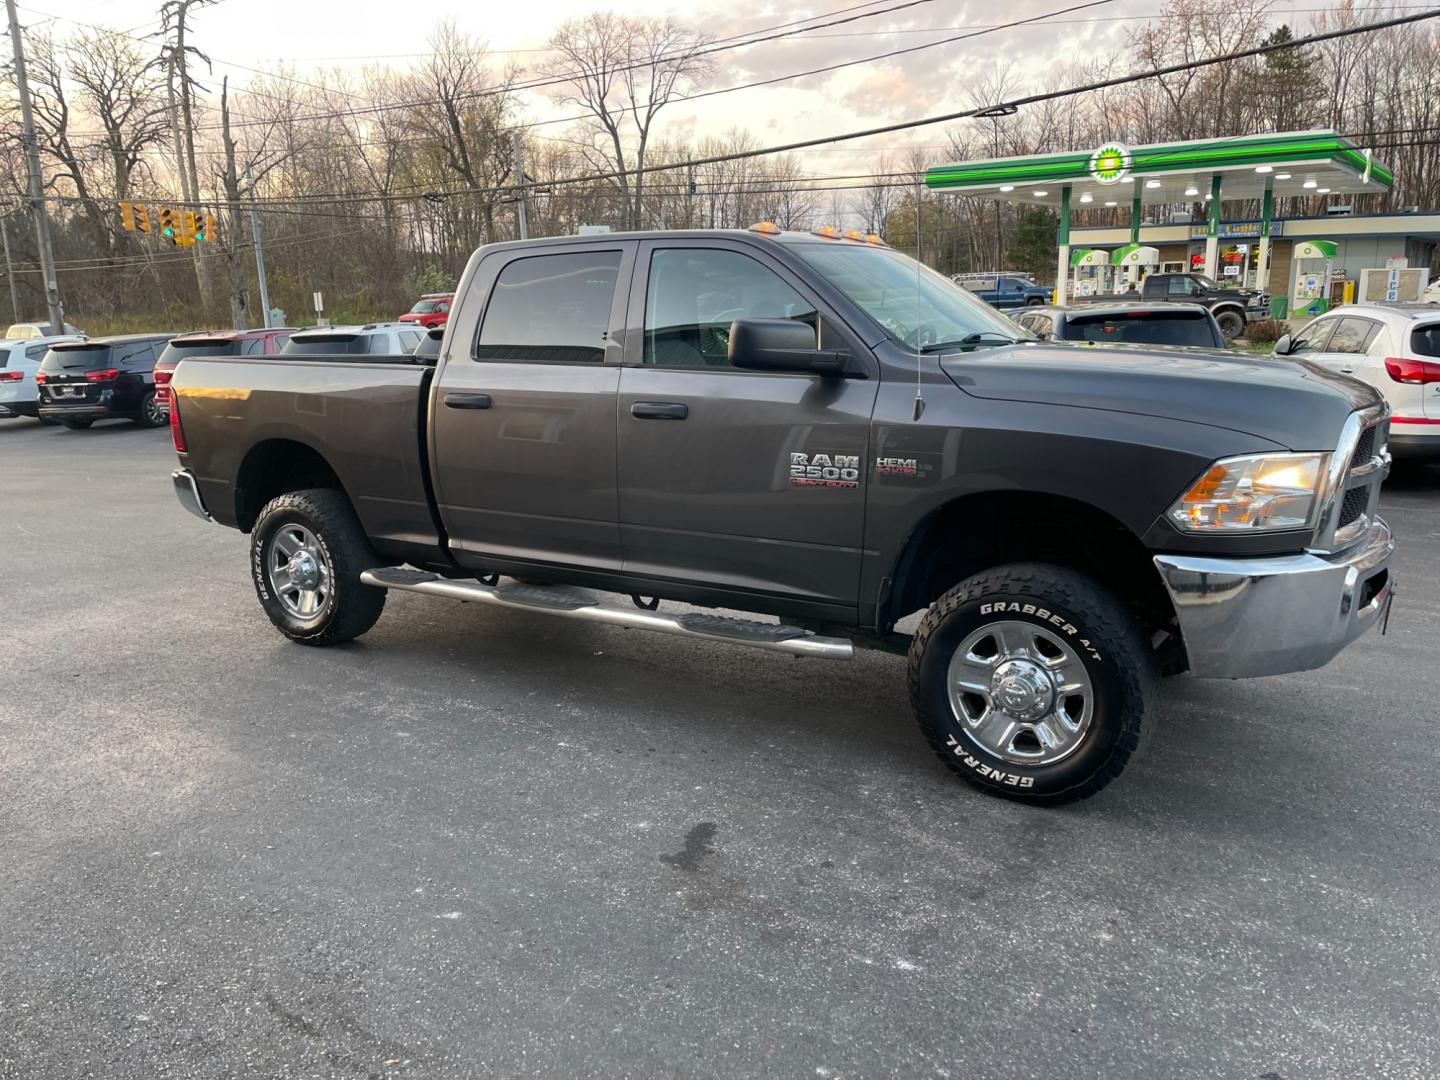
<point x="981" y="531"/>
<point x="274" y="467"/>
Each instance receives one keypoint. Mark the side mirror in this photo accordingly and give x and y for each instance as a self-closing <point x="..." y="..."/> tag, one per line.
<point x="1284" y="345"/>
<point x="781" y="345"/>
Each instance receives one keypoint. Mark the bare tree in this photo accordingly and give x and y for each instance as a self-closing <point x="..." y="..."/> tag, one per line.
<point x="624" y="70"/>
<point x="175" y="55"/>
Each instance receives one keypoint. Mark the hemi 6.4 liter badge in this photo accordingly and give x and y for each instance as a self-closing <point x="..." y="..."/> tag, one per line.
<point x="825" y="470"/>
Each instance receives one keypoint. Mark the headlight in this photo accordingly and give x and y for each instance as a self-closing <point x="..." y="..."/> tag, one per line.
<point x="1257" y="491"/>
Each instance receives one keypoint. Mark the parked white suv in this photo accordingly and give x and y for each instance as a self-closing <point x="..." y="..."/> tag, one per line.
<point x="387" y="337"/>
<point x="19" y="360"/>
<point x="1393" y="347"/>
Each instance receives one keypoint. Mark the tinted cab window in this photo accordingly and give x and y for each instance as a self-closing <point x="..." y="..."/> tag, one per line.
<point x="693" y="296"/>
<point x="551" y="309"/>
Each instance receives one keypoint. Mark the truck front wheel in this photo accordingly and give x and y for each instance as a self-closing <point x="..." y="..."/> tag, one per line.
<point x="307" y="552"/>
<point x="1032" y="681"/>
<point x="1232" y="323"/>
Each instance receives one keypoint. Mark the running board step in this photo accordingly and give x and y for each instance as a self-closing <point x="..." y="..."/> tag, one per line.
<point x="576" y="605"/>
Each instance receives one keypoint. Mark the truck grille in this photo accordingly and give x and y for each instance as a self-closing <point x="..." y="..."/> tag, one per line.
<point x="1365" y="448"/>
<point x="1352" y="508"/>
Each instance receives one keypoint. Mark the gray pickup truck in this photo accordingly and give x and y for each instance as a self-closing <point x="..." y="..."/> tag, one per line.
<point x="817" y="429"/>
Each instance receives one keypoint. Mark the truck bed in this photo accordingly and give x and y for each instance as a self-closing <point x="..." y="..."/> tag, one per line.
<point x="364" y="415"/>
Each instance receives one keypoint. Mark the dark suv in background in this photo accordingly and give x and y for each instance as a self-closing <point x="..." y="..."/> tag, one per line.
<point x="214" y="343"/>
<point x="1172" y="325"/>
<point x="80" y="382"/>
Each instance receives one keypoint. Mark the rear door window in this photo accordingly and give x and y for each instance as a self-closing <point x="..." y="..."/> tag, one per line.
<point x="551" y="309"/>
<point x="1352" y="335"/>
<point x="408" y="340"/>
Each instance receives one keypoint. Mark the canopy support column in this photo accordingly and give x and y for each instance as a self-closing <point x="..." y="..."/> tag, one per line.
<point x="1212" y="229"/>
<point x="1262" y="250"/>
<point x="1132" y="272"/>
<point x="1062" y="270"/>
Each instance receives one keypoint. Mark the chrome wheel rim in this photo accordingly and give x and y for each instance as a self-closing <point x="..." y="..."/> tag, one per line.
<point x="1021" y="693"/>
<point x="297" y="571"/>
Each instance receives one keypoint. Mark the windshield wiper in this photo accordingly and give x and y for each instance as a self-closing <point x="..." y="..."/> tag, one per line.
<point x="972" y="340"/>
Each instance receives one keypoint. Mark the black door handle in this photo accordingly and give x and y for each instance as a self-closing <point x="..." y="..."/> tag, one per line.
<point x="467" y="401"/>
<point x="659" y="410"/>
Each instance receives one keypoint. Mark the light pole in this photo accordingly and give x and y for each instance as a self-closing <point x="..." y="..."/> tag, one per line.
<point x="259" y="251"/>
<point x="55" y="308"/>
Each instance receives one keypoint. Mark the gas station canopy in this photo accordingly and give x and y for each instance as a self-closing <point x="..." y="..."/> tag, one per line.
<point x="1290" y="164"/>
<point x="1247" y="167"/>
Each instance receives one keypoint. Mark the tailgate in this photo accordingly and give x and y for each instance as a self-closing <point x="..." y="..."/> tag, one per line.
<point x="362" y="418"/>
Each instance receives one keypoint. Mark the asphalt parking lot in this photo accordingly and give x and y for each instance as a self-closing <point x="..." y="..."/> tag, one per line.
<point x="480" y="843"/>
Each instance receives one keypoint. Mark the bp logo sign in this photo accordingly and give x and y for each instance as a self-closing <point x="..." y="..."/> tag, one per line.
<point x="1110" y="164"/>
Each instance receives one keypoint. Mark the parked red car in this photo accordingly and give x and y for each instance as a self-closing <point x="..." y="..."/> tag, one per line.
<point x="214" y="343"/>
<point x="432" y="309"/>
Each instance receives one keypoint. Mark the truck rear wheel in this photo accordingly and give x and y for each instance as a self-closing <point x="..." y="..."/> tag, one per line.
<point x="307" y="552"/>
<point x="1033" y="682"/>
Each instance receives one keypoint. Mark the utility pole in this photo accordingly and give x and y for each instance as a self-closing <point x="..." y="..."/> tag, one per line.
<point x="37" y="191"/>
<point x="10" y="270"/>
<point x="522" y="217"/>
<point x="259" y="252"/>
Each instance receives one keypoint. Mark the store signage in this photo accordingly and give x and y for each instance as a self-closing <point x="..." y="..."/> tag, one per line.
<point x="1110" y="164"/>
<point x="1233" y="230"/>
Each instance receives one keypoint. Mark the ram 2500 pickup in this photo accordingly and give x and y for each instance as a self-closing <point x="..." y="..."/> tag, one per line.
<point x="818" y="429"/>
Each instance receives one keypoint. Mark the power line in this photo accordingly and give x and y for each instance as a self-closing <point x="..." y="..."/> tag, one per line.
<point x="964" y="114"/>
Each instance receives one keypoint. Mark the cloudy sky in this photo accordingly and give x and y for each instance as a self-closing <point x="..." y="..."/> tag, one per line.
<point x="311" y="34"/>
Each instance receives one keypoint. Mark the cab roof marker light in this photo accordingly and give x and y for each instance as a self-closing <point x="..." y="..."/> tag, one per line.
<point x="855" y="234"/>
<point x="874" y="238"/>
<point x="829" y="232"/>
<point x="765" y="228"/>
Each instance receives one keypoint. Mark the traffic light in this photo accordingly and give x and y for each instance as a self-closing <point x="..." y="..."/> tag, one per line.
<point x="127" y="216"/>
<point x="167" y="223"/>
<point x="195" y="224"/>
<point x="142" y="218"/>
<point x="209" y="226"/>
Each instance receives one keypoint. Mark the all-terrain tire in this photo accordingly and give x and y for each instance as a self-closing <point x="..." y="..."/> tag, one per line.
<point x="1063" y="606"/>
<point x="1232" y="324"/>
<point x="348" y="608"/>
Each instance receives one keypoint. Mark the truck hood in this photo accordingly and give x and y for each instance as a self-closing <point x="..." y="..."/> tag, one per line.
<point x="1290" y="402"/>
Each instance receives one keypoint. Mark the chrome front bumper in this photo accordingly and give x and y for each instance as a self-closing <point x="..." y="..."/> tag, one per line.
<point x="1243" y="617"/>
<point x="189" y="494"/>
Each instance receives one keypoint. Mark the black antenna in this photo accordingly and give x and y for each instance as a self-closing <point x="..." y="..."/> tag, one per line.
<point x="919" y="408"/>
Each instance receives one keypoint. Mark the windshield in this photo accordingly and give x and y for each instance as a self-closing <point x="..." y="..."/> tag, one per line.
<point x="426" y="307"/>
<point x="916" y="306"/>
